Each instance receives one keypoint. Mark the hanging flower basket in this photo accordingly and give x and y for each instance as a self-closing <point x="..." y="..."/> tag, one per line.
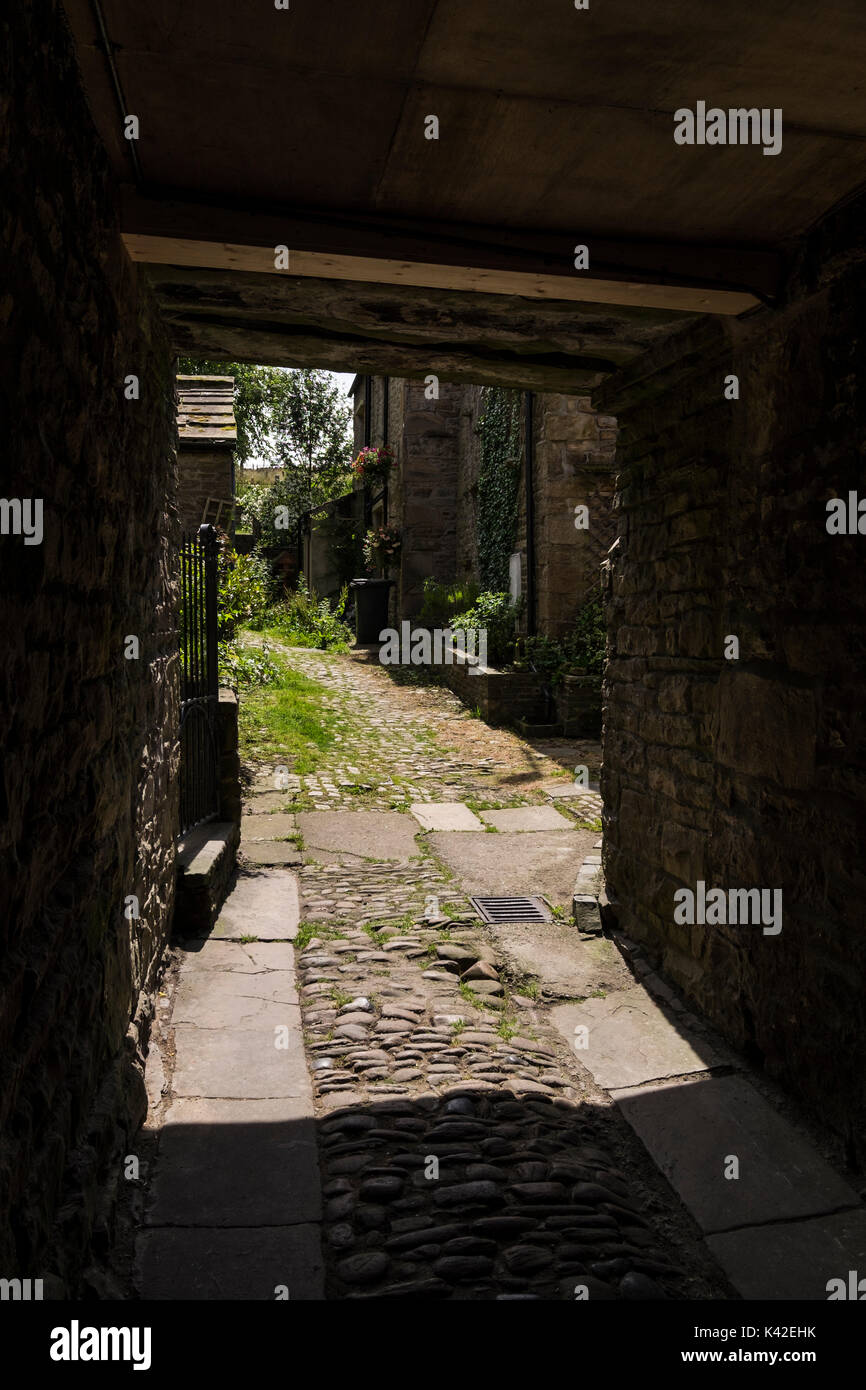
<point x="373" y="466"/>
<point x="382" y="547"/>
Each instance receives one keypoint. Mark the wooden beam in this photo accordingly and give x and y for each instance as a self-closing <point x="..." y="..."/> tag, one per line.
<point x="168" y="231"/>
<point x="475" y="279"/>
<point x="401" y="330"/>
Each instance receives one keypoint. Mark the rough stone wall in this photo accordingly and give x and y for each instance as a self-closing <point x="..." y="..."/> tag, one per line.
<point x="573" y="463"/>
<point x="573" y="466"/>
<point x="750" y="772"/>
<point x="88" y="777"/>
<point x="426" y="496"/>
<point x="202" y="473"/>
<point x="468" y="468"/>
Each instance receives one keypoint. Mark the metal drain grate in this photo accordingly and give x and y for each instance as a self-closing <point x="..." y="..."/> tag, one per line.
<point x="512" y="909"/>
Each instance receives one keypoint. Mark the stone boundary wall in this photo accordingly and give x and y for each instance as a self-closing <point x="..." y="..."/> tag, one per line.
<point x="750" y="772"/>
<point x="89" y="790"/>
<point x="202" y="473"/>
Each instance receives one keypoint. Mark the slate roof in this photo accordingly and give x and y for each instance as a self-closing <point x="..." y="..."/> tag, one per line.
<point x="205" y="412"/>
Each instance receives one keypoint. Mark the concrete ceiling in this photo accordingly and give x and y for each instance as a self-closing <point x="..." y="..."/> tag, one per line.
<point x="305" y="127"/>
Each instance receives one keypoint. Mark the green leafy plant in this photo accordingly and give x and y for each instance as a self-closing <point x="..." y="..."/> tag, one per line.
<point x="580" y="650"/>
<point x="244" y="668"/>
<point x="243" y="587"/>
<point x="442" y="601"/>
<point x="496" y="614"/>
<point x="302" y="619"/>
<point x="587" y="642"/>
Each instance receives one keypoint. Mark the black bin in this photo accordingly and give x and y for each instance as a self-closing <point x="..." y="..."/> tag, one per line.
<point x="371" y="608"/>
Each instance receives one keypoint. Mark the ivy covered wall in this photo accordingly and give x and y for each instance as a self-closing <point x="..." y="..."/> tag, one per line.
<point x="500" y="475"/>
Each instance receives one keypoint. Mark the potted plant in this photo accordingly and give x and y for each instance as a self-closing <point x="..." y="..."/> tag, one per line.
<point x="373" y="466"/>
<point x="382" y="548"/>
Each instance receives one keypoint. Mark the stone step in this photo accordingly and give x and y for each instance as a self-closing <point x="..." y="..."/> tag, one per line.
<point x="205" y="863"/>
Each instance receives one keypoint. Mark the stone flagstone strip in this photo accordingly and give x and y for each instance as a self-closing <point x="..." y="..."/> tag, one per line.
<point x="446" y="815"/>
<point x="630" y="1039"/>
<point x="692" y="1128"/>
<point x="695" y="1127"/>
<point x="796" y="1260"/>
<point x="262" y="904"/>
<point x="237" y="1161"/>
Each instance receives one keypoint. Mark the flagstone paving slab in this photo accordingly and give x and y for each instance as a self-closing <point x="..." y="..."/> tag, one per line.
<point x="270" y="853"/>
<point x="264" y="905"/>
<point x="363" y="834"/>
<point x="693" y="1128"/>
<point x="631" y="1040"/>
<point x="232" y="1265"/>
<point x="245" y="1063"/>
<point x="262" y="802"/>
<point x="229" y="999"/>
<point x="247" y="957"/>
<point x="796" y="1259"/>
<point x="237" y="1163"/>
<point x="566" y="964"/>
<point x="267" y="827"/>
<point x="527" y="818"/>
<point x="544" y="863"/>
<point x="566" y="791"/>
<point x="445" y="816"/>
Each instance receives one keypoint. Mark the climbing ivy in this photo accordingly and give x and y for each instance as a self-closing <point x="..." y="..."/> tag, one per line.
<point x="498" y="483"/>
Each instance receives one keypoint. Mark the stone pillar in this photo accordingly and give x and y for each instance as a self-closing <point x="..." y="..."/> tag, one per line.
<point x="230" y="763"/>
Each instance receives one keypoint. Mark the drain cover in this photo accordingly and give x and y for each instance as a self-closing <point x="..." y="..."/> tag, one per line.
<point x="512" y="909"/>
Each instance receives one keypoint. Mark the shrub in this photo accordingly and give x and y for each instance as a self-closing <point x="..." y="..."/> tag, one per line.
<point x="582" y="649"/>
<point x="243" y="587"/>
<point x="496" y="613"/>
<point x="304" y="620"/>
<point x="443" y="601"/>
<point x="587" y="642"/>
<point x="244" y="668"/>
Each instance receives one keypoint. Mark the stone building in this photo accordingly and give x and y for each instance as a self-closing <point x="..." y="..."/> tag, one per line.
<point x="207" y="435"/>
<point x="564" y="460"/>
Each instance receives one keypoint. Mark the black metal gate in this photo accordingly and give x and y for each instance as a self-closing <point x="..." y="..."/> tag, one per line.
<point x="199" y="681"/>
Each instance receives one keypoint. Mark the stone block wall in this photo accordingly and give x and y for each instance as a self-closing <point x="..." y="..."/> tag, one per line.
<point x="88" y="776"/>
<point x="752" y="772"/>
<point x="202" y="473"/>
<point x="425" y="498"/>
<point x="573" y="466"/>
<point x="468" y="468"/>
<point x="230" y="762"/>
<point x="573" y="463"/>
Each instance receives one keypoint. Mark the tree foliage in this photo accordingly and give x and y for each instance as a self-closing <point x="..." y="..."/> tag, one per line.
<point x="297" y="420"/>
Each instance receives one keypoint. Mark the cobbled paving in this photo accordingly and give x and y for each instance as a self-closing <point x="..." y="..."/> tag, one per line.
<point x="459" y="1156"/>
<point x="463" y="1155"/>
<point x="394" y="746"/>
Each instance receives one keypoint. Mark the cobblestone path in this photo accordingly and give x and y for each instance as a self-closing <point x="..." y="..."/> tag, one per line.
<point x="402" y="744"/>
<point x="464" y="1151"/>
<point x="462" y="1155"/>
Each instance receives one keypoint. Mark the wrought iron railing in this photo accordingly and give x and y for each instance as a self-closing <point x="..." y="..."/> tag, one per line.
<point x="199" y="680"/>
